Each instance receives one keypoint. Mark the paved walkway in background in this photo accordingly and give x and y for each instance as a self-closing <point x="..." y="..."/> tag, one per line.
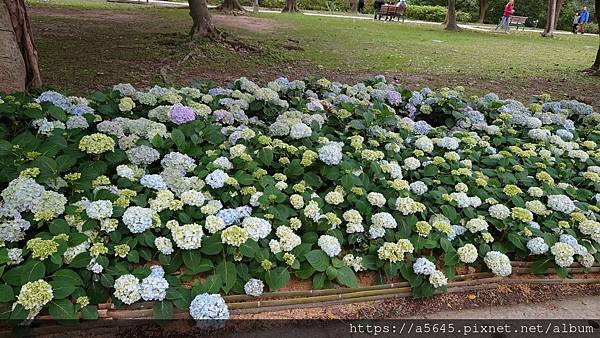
<point x="566" y="308"/>
<point x="474" y="27"/>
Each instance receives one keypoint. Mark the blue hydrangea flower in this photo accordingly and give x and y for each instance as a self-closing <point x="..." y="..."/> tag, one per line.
<point x="209" y="311"/>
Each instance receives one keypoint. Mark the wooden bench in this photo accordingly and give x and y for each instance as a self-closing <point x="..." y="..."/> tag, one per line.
<point x="518" y="20"/>
<point x="389" y="12"/>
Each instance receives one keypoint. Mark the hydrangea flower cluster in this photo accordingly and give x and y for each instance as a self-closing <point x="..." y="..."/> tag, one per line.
<point x="258" y="176"/>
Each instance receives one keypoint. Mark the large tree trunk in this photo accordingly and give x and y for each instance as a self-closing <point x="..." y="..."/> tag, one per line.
<point x="231" y="6"/>
<point x="291" y="6"/>
<point x="19" y="69"/>
<point x="483" y="6"/>
<point x="559" y="4"/>
<point x="451" y="17"/>
<point x="595" y="69"/>
<point x="550" y="23"/>
<point x="202" y="24"/>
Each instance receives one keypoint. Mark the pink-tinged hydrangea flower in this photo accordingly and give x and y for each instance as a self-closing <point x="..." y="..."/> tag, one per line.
<point x="181" y="114"/>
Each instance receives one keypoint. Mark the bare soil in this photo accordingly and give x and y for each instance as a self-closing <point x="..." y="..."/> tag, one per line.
<point x="87" y="15"/>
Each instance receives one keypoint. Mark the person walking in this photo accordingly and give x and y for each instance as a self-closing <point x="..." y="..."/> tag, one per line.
<point x="575" y="23"/>
<point x="377" y="5"/>
<point x="584" y="17"/>
<point x="506" y="14"/>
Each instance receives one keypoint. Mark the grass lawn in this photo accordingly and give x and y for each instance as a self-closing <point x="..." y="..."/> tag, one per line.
<point x="88" y="44"/>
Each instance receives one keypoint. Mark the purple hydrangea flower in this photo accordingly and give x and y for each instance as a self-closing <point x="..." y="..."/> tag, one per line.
<point x="180" y="114"/>
<point x="223" y="116"/>
<point x="394" y="98"/>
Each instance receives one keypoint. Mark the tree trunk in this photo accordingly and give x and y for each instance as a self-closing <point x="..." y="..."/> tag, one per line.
<point x="255" y="6"/>
<point x="231" y="6"/>
<point x="354" y="6"/>
<point x="483" y="6"/>
<point x="291" y="6"/>
<point x="202" y="25"/>
<point x="559" y="4"/>
<point x="19" y="69"/>
<point x="549" y="30"/>
<point x="595" y="69"/>
<point x="451" y="24"/>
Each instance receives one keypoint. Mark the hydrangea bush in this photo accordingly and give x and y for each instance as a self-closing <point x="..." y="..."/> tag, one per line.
<point x="133" y="195"/>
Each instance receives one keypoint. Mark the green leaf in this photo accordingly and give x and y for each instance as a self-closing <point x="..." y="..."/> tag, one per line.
<point x="318" y="259"/>
<point x="540" y="267"/>
<point x="450" y="212"/>
<point x="346" y="276"/>
<point x="178" y="138"/>
<point x="277" y="278"/>
<point x="319" y="280"/>
<point x="213" y="284"/>
<point x="59" y="226"/>
<point x="408" y="274"/>
<point x="62" y="309"/>
<point x="32" y="271"/>
<point x="19" y="313"/>
<point x="192" y="260"/>
<point x="61" y="290"/>
<point x="163" y="310"/>
<point x="249" y="248"/>
<point x="305" y="271"/>
<point x="212" y="245"/>
<point x="80" y="261"/>
<point x="228" y="274"/>
<point x="430" y="170"/>
<point x="6" y="293"/>
<point x="57" y="113"/>
<point x="331" y="273"/>
<point x="265" y="156"/>
<point x="516" y="241"/>
<point x="89" y="312"/>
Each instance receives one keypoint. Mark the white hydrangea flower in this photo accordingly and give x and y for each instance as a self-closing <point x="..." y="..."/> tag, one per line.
<point x="423" y="266"/>
<point x="438" y="279"/>
<point x="99" y="210"/>
<point x="561" y="203"/>
<point x="254" y="287"/>
<point x="137" y="219"/>
<point x="537" y="246"/>
<point x="164" y="245"/>
<point x="187" y="236"/>
<point x="331" y="153"/>
<point x="257" y="228"/>
<point x="216" y="179"/>
<point x="127" y="289"/>
<point x="376" y="199"/>
<point x="498" y="262"/>
<point x="467" y="253"/>
<point x="499" y="211"/>
<point x="330" y="245"/>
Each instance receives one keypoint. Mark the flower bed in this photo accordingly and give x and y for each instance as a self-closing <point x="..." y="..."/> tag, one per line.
<point x="175" y="196"/>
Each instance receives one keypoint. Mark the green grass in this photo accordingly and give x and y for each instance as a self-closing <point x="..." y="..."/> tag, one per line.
<point x="428" y="48"/>
<point x="95" y="47"/>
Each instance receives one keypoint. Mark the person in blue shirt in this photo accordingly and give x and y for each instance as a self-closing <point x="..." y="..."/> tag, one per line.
<point x="584" y="17"/>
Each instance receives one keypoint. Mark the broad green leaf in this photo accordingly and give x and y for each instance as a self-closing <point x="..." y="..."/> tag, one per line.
<point x="61" y="289"/>
<point x="228" y="274"/>
<point x="6" y="293"/>
<point x="277" y="278"/>
<point x="163" y="310"/>
<point x="62" y="309"/>
<point x="318" y="259"/>
<point x="346" y="276"/>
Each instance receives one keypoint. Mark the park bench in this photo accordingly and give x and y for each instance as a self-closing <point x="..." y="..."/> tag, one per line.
<point x="389" y="12"/>
<point x="518" y="20"/>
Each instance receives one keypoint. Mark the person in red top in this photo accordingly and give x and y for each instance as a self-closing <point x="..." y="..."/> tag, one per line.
<point x="508" y="11"/>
